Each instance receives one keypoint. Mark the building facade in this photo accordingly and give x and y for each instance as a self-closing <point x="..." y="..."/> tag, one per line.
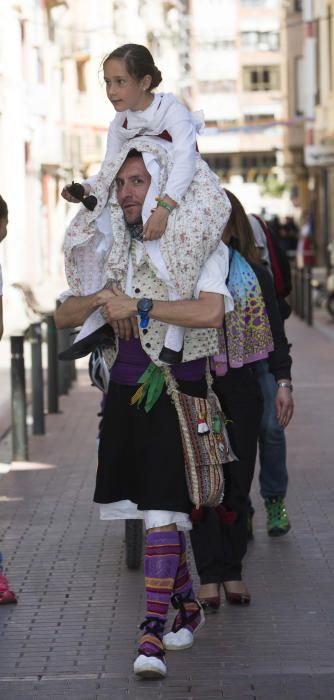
<point x="238" y="80"/>
<point x="54" y="116"/>
<point x="319" y="136"/>
<point x="294" y="96"/>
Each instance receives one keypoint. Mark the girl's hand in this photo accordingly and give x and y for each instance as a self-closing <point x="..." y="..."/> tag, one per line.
<point x="284" y="406"/>
<point x="69" y="197"/>
<point x="156" y="225"/>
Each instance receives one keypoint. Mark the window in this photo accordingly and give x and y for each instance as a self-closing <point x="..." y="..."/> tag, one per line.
<point x="212" y="86"/>
<point x="318" y="67"/>
<point x="39" y="65"/>
<point x="219" y="164"/>
<point x="298" y="5"/>
<point x="81" y="65"/>
<point x="253" y="164"/>
<point x="23" y="31"/>
<point x="260" y="3"/>
<point x="261" y="78"/>
<point x="299" y="85"/>
<point x="54" y="3"/>
<point x="330" y="45"/>
<point x="222" y="44"/>
<point x="258" y="118"/>
<point x="27" y="152"/>
<point x="260" y="41"/>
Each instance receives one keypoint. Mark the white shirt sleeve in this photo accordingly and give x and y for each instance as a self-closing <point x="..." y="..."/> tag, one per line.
<point x="0" y="282"/>
<point x="65" y="295"/>
<point x="183" y="132"/>
<point x="214" y="274"/>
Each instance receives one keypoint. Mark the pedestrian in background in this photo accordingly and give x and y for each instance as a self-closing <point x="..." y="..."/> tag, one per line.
<point x="219" y="539"/>
<point x="6" y="595"/>
<point x="273" y="475"/>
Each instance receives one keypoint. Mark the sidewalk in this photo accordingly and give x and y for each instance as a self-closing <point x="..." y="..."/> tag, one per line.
<point x="73" y="633"/>
<point x="323" y="322"/>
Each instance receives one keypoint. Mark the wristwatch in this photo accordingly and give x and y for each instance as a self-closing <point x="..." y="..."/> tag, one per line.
<point x="285" y="385"/>
<point x="144" y="307"/>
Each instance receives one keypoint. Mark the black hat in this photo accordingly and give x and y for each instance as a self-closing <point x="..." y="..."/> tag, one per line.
<point x="103" y="337"/>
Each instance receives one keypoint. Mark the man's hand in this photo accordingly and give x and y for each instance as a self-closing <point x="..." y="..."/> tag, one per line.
<point x="75" y="310"/>
<point x="126" y="329"/>
<point x="69" y="197"/>
<point x="156" y="225"/>
<point x="103" y="296"/>
<point x="120" y="307"/>
<point x="284" y="406"/>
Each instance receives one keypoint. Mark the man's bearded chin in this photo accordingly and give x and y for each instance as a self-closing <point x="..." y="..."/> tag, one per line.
<point x="136" y="229"/>
<point x="137" y="222"/>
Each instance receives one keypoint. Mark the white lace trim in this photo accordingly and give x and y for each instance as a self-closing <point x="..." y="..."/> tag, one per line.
<point x="127" y="510"/>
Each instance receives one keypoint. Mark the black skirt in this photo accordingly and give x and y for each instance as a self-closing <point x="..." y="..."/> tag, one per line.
<point x="140" y="454"/>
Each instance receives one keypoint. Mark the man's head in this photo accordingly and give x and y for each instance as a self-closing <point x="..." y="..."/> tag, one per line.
<point x="3" y="219"/>
<point x="132" y="183"/>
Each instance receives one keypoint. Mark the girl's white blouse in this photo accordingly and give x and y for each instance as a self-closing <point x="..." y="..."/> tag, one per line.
<point x="165" y="113"/>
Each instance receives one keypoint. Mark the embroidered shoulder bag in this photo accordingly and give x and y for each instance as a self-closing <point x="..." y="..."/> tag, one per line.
<point x="205" y="441"/>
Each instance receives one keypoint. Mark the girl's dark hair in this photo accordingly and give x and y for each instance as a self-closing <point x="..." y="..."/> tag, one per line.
<point x="3" y="209"/>
<point x="242" y="236"/>
<point x="139" y="62"/>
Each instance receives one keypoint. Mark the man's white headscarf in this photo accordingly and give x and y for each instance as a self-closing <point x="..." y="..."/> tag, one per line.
<point x="193" y="230"/>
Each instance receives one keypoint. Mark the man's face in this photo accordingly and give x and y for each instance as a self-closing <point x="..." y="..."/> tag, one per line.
<point x="132" y="183"/>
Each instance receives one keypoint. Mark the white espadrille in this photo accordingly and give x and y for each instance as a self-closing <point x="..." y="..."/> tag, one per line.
<point x="150" y="667"/>
<point x="182" y="638"/>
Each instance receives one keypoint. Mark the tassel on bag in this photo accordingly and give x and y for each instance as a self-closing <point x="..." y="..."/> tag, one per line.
<point x="152" y="383"/>
<point x="216" y="425"/>
<point x="202" y="426"/>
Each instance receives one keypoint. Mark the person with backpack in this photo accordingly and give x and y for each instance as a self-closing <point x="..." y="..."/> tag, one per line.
<point x="273" y="476"/>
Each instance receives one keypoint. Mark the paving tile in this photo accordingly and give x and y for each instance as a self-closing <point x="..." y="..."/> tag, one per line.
<point x="73" y="634"/>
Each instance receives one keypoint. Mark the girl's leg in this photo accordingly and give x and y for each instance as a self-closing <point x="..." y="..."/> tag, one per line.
<point x="172" y="349"/>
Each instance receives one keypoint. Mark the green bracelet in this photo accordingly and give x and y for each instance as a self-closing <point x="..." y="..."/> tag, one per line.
<point x="167" y="206"/>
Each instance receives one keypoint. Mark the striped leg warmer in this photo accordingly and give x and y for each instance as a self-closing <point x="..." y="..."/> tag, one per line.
<point x="184" y="597"/>
<point x="162" y="556"/>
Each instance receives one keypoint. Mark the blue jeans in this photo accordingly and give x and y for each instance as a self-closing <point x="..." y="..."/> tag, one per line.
<point x="273" y="475"/>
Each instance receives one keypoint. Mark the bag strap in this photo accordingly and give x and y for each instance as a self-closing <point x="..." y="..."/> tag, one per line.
<point x="171" y="383"/>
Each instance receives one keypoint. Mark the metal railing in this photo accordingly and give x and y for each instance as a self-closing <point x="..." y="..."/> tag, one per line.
<point x="59" y="377"/>
<point x="301" y="293"/>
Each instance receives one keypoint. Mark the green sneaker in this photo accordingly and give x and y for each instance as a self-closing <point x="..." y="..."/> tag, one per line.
<point x="277" y="517"/>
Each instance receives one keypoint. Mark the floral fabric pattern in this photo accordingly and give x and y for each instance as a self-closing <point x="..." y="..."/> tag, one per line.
<point x="193" y="231"/>
<point x="247" y="335"/>
<point x="198" y="342"/>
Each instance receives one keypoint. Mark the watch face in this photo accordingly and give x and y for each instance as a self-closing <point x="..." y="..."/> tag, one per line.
<point x="144" y="305"/>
